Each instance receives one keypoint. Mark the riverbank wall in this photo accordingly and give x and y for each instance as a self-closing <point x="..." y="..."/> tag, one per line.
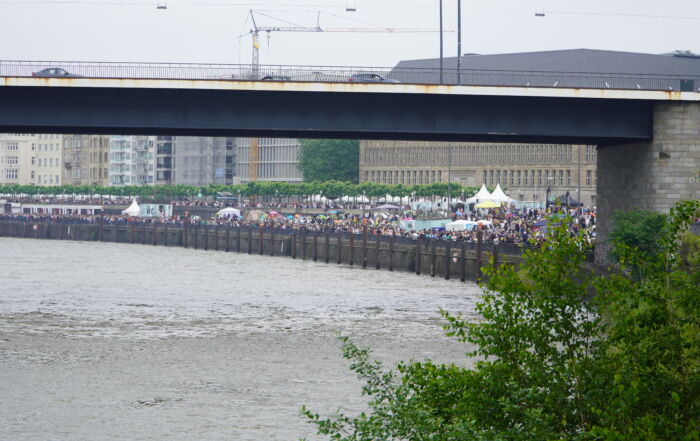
<point x="433" y="257"/>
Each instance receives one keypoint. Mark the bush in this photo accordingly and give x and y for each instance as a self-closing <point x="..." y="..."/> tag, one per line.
<point x="549" y="364"/>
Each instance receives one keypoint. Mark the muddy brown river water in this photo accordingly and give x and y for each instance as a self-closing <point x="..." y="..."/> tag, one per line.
<point x="102" y="341"/>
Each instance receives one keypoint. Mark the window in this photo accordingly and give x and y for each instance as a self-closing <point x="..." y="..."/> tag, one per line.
<point x="539" y="177"/>
<point x="11" y="160"/>
<point x="11" y="146"/>
<point x="561" y="177"/>
<point x="526" y="178"/>
<point x="588" y="177"/>
<point x="518" y="181"/>
<point x="485" y="177"/>
<point x="568" y="177"/>
<point x="10" y="173"/>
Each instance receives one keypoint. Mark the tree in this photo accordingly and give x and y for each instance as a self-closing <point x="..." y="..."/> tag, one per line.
<point x="534" y="353"/>
<point x="638" y="229"/>
<point x="329" y="160"/>
<point x="652" y="364"/>
<point x="552" y="361"/>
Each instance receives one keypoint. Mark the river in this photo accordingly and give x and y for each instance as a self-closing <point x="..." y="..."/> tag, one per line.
<point x="115" y="341"/>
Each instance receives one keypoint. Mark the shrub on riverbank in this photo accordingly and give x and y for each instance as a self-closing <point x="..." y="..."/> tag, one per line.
<point x="550" y="366"/>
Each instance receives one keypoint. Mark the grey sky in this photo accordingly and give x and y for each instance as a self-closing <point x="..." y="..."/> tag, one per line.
<point x="208" y="30"/>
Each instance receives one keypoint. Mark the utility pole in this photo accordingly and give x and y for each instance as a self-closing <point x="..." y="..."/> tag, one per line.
<point x="441" y="51"/>
<point x="449" y="178"/>
<point x="578" y="186"/>
<point x="459" y="42"/>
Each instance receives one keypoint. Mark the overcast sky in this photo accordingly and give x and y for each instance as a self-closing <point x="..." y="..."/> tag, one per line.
<point x="209" y="30"/>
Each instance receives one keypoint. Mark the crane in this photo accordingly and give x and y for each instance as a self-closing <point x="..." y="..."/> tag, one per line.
<point x="253" y="148"/>
<point x="256" y="30"/>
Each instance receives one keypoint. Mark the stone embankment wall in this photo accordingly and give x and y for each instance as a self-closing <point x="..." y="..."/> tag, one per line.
<point x="439" y="258"/>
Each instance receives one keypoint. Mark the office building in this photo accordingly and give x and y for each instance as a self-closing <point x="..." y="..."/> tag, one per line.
<point x="86" y="160"/>
<point x="131" y="160"/>
<point x="268" y="159"/>
<point x="525" y="170"/>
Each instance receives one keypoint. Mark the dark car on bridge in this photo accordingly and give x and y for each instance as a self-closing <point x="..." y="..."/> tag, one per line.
<point x="370" y="78"/>
<point x="276" y="78"/>
<point x="54" y="72"/>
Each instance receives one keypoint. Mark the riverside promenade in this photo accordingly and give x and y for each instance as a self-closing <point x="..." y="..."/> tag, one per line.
<point x="436" y="258"/>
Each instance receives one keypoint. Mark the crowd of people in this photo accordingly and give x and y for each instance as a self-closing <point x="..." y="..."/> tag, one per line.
<point x="502" y="225"/>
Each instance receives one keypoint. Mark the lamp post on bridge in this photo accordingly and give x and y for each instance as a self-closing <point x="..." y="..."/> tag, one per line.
<point x="441" y="38"/>
<point x="459" y="43"/>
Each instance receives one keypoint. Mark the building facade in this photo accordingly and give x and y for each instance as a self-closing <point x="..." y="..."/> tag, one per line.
<point x="86" y="160"/>
<point x="165" y="160"/>
<point x="131" y="160"/>
<point x="18" y="158"/>
<point x="201" y="160"/>
<point x="277" y="160"/>
<point x="525" y="170"/>
<point x="49" y="160"/>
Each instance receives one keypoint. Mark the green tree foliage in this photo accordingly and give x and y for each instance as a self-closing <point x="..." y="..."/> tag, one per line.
<point x="552" y="362"/>
<point x="638" y="229"/>
<point x="652" y="361"/>
<point x="164" y="193"/>
<point x="330" y="160"/>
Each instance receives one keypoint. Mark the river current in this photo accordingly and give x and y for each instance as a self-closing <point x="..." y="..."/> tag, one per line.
<point x="131" y="342"/>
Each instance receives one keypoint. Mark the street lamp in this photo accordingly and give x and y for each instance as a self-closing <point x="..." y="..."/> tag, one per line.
<point x="459" y="43"/>
<point x="549" y="190"/>
<point x="441" y="38"/>
<point x="449" y="177"/>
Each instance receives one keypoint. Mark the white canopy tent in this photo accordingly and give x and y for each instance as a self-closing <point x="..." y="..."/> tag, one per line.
<point x="422" y="205"/>
<point x="228" y="212"/>
<point x="133" y="210"/>
<point x="482" y="195"/>
<point x="499" y="196"/>
<point x="460" y="225"/>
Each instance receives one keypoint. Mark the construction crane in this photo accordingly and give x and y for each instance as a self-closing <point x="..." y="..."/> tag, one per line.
<point x="256" y="30"/>
<point x="253" y="148"/>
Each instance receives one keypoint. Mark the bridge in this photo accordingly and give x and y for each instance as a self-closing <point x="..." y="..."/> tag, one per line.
<point x="221" y="100"/>
<point x="647" y="127"/>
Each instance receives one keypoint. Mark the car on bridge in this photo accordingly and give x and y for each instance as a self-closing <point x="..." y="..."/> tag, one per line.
<point x="54" y="72"/>
<point x="370" y="78"/>
<point x="276" y="78"/>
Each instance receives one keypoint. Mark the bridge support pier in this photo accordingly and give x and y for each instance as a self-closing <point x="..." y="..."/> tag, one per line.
<point x="652" y="175"/>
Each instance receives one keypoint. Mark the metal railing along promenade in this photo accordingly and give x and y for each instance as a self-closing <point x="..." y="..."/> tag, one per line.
<point x="345" y="74"/>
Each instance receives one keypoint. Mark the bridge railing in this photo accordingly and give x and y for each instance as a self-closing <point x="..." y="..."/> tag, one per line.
<point x="345" y="74"/>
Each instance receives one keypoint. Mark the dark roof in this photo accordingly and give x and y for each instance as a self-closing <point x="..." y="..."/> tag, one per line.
<point x="567" y="68"/>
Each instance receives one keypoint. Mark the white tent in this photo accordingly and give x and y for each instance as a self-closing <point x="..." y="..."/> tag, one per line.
<point x="228" y="212"/>
<point x="499" y="196"/>
<point x="422" y="205"/>
<point x="388" y="207"/>
<point x="318" y="198"/>
<point x="482" y="195"/>
<point x="460" y="225"/>
<point x="133" y="210"/>
<point x="360" y="199"/>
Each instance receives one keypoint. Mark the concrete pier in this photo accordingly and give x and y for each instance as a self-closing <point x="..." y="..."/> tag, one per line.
<point x="652" y="175"/>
